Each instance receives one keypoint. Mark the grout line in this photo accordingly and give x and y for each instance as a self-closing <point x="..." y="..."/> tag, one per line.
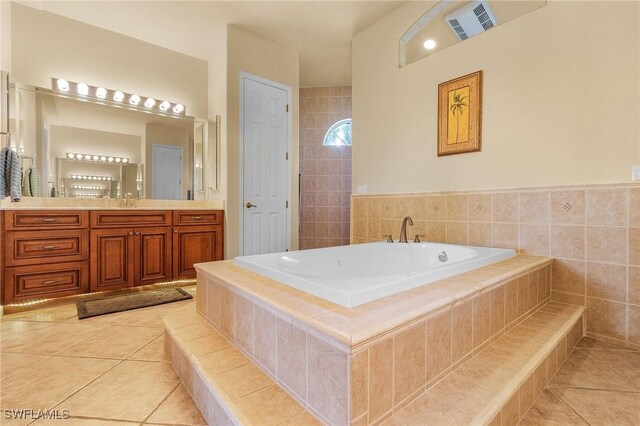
<point x="164" y="399"/>
<point x="593" y="389"/>
<point x="567" y="404"/>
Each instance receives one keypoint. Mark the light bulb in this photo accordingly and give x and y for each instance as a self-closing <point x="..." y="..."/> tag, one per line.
<point x="118" y="159"/>
<point x="430" y="44"/>
<point x="103" y="158"/>
<point x="109" y="178"/>
<point x="178" y="108"/>
<point x="83" y="89"/>
<point x="78" y="156"/>
<point x="110" y="159"/>
<point x="95" y="158"/>
<point x="87" y="157"/>
<point x="62" y="84"/>
<point x="165" y="105"/>
<point x="150" y="102"/>
<point x="125" y="160"/>
<point x="134" y="100"/>
<point x="70" y="155"/>
<point x="101" y="92"/>
<point x="118" y="96"/>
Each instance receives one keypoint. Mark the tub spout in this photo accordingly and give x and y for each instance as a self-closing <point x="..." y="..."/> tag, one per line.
<point x="403" y="229"/>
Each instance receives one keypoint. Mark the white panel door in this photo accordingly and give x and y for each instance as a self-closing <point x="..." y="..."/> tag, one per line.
<point x="264" y="130"/>
<point x="167" y="172"/>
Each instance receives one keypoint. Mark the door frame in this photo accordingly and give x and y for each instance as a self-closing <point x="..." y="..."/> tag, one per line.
<point x="247" y="76"/>
<point x="153" y="169"/>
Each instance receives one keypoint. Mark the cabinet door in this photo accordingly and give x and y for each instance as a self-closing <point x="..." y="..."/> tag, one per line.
<point x="195" y="244"/>
<point x="112" y="259"/>
<point x="153" y="255"/>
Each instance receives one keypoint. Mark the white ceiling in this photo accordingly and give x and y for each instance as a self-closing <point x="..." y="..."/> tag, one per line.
<point x="320" y="30"/>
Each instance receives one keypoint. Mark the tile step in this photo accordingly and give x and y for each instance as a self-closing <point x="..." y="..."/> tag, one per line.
<point x="227" y="387"/>
<point x="498" y="385"/>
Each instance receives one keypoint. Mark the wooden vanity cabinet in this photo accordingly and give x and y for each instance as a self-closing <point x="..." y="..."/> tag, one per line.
<point x="62" y="253"/>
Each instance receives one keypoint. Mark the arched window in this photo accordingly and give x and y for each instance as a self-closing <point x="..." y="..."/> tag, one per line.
<point x="339" y="134"/>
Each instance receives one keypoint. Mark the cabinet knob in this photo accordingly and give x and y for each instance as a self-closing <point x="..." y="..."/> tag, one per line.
<point x="176" y="231"/>
<point x="130" y="233"/>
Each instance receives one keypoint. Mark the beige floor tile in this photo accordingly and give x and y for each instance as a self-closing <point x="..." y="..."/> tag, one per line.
<point x="53" y="339"/>
<point x="208" y="344"/>
<point x="152" y="316"/>
<point x="51" y="382"/>
<point x="11" y="364"/>
<point x="392" y="421"/>
<point x="591" y="343"/>
<point x="581" y="370"/>
<point x="130" y="391"/>
<point x="54" y="314"/>
<point x="83" y="422"/>
<point x="599" y="407"/>
<point x="463" y="394"/>
<point x="241" y="381"/>
<point x="116" y="341"/>
<point x="551" y="410"/>
<point x="429" y="410"/>
<point x="269" y="406"/>
<point x="113" y="318"/>
<point x="178" y="408"/>
<point x="625" y="363"/>
<point x="153" y="351"/>
<point x="11" y="330"/>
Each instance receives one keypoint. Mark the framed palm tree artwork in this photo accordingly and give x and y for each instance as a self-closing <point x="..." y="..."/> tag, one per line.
<point x="460" y="114"/>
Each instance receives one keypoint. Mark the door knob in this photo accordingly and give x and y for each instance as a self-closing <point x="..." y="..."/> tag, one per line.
<point x="249" y="205"/>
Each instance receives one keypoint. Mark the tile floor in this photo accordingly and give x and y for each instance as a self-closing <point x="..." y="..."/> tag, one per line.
<point x="598" y="385"/>
<point x="111" y="370"/>
<point x="107" y="371"/>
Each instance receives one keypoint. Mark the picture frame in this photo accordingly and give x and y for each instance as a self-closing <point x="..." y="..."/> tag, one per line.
<point x="460" y="115"/>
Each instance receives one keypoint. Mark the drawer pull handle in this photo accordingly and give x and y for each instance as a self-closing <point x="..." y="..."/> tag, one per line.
<point x="50" y="282"/>
<point x="49" y="219"/>
<point x="49" y="247"/>
<point x="196" y="217"/>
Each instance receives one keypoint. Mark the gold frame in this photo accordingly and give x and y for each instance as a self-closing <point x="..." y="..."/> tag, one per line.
<point x="470" y="86"/>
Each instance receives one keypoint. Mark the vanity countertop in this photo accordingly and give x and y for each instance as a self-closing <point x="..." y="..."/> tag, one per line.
<point x="108" y="204"/>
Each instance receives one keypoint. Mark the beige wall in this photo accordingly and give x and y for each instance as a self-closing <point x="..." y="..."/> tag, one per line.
<point x="258" y="56"/>
<point x="5" y="35"/>
<point x="561" y="102"/>
<point x="44" y="45"/>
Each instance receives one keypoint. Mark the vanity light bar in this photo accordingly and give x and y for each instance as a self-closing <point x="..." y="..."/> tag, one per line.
<point x="118" y="96"/>
<point x="84" y="177"/>
<point x="96" y="158"/>
<point x="86" y="187"/>
<point x="86" y="194"/>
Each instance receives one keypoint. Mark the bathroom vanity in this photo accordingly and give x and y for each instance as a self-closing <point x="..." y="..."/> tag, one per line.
<point x="55" y="253"/>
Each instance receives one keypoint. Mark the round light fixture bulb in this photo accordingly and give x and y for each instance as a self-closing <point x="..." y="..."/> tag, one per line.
<point x="83" y="89"/>
<point x="110" y="159"/>
<point x="87" y="157"/>
<point x="430" y="44"/>
<point x="101" y="92"/>
<point x="118" y="159"/>
<point x="165" y="105"/>
<point x="62" y="84"/>
<point x="118" y="96"/>
<point x="70" y="155"/>
<point x="103" y="158"/>
<point x="125" y="160"/>
<point x="95" y="158"/>
<point x="178" y="108"/>
<point x="134" y="100"/>
<point x="150" y="102"/>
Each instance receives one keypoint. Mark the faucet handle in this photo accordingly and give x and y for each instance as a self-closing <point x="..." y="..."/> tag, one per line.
<point x="389" y="238"/>
<point x="417" y="238"/>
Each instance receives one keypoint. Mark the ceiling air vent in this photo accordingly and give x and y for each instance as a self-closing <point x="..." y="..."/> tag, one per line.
<point x="472" y="19"/>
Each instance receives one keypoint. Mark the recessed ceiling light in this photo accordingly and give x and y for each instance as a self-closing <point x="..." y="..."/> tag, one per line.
<point x="430" y="44"/>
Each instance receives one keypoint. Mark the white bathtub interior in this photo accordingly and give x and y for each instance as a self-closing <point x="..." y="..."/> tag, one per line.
<point x="356" y="274"/>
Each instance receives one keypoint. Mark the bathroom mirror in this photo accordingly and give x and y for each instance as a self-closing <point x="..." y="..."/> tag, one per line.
<point x="449" y="22"/>
<point x="86" y="149"/>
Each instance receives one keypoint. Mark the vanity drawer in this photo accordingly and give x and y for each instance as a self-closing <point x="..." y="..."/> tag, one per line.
<point x="122" y="218"/>
<point x="42" y="219"/>
<point x="37" y="281"/>
<point x="37" y="247"/>
<point x="197" y="217"/>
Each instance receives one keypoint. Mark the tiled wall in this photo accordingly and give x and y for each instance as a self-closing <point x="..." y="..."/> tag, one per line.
<point x="326" y="171"/>
<point x="593" y="232"/>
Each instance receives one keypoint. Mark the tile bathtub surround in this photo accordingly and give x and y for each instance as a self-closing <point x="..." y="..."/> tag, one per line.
<point x="592" y="232"/>
<point x="325" y="185"/>
<point x="369" y="355"/>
